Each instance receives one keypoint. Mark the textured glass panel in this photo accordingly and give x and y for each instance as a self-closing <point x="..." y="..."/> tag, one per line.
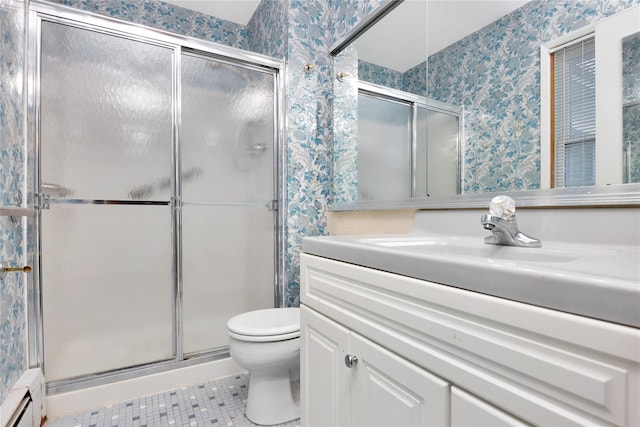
<point x="384" y="155"/>
<point x="228" y="268"/>
<point x="442" y="153"/>
<point x="106" y="116"/>
<point x="227" y="132"/>
<point x="107" y="287"/>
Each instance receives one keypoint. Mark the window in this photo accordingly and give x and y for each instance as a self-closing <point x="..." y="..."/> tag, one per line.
<point x="574" y="114"/>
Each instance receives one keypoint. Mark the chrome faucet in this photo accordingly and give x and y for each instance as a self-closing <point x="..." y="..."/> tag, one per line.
<point x="505" y="232"/>
<point x="503" y="226"/>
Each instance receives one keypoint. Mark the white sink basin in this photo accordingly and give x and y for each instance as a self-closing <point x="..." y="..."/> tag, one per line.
<point x="599" y="281"/>
<point x="474" y="248"/>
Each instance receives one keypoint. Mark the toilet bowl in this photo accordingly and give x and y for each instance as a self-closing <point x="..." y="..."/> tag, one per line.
<point x="267" y="344"/>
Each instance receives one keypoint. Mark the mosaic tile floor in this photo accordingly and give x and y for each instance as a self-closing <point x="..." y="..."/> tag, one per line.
<point x="216" y="403"/>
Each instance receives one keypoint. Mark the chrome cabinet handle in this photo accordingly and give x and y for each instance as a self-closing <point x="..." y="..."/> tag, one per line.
<point x="350" y="360"/>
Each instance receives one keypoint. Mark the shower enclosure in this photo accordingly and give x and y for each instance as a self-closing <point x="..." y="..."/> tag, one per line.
<point x="156" y="179"/>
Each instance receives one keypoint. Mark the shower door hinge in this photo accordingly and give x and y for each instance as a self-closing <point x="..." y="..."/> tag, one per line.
<point x="274" y="205"/>
<point x="176" y="202"/>
<point x="41" y="201"/>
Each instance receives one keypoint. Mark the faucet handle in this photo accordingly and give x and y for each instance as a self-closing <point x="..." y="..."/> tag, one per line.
<point x="502" y="206"/>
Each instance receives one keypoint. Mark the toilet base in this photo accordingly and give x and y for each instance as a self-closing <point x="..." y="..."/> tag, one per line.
<point x="270" y="399"/>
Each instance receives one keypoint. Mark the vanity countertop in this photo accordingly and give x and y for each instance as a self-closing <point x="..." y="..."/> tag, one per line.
<point x="600" y="281"/>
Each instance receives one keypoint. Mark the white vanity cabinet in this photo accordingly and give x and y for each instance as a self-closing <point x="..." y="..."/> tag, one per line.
<point x="430" y="354"/>
<point x="377" y="388"/>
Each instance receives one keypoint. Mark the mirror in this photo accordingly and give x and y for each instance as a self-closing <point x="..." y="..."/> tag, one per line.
<point x="490" y="69"/>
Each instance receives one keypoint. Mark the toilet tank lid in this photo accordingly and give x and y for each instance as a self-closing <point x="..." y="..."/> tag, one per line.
<point x="271" y="321"/>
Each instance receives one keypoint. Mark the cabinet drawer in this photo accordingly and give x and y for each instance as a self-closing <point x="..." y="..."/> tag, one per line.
<point x="469" y="411"/>
<point x="544" y="366"/>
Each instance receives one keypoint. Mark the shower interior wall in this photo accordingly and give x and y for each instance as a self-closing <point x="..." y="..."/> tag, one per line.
<point x="299" y="31"/>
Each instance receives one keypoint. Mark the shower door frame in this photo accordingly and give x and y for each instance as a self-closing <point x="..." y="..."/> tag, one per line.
<point x="42" y="11"/>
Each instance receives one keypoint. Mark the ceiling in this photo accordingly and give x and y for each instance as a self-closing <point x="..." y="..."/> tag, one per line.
<point x="399" y="40"/>
<point x="449" y="21"/>
<point x="445" y="18"/>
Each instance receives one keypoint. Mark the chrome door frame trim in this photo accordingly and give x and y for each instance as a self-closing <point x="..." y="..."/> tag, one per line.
<point x="108" y="202"/>
<point x="280" y="188"/>
<point x="176" y="208"/>
<point x="395" y="94"/>
<point x="93" y="380"/>
<point x="35" y="334"/>
<point x="414" y="150"/>
<point x="39" y="11"/>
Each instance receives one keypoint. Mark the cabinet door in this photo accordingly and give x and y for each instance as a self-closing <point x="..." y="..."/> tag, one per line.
<point x="467" y="410"/>
<point x="387" y="390"/>
<point x="324" y="380"/>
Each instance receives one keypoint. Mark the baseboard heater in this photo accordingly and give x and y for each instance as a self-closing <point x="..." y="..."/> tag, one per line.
<point x="24" y="406"/>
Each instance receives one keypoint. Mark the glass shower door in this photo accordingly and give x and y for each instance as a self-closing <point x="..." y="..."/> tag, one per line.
<point x="106" y="239"/>
<point x="228" y="226"/>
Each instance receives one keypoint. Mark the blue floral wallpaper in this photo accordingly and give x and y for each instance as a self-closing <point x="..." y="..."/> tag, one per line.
<point x="495" y="74"/>
<point x="314" y="26"/>
<point x="413" y="80"/>
<point x="12" y="285"/>
<point x="345" y="128"/>
<point x="379" y="75"/>
<point x="308" y="136"/>
<point x="631" y="109"/>
<point x="265" y="31"/>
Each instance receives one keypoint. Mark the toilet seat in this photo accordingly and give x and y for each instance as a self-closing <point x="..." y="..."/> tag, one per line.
<point x="272" y="324"/>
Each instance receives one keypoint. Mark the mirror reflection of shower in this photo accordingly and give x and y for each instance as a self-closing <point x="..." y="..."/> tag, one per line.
<point x="423" y="162"/>
<point x="144" y="192"/>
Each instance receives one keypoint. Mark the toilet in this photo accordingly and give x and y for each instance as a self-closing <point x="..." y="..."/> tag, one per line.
<point x="267" y="344"/>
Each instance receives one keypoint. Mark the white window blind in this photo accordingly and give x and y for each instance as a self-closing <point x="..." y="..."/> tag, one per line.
<point x="574" y="82"/>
